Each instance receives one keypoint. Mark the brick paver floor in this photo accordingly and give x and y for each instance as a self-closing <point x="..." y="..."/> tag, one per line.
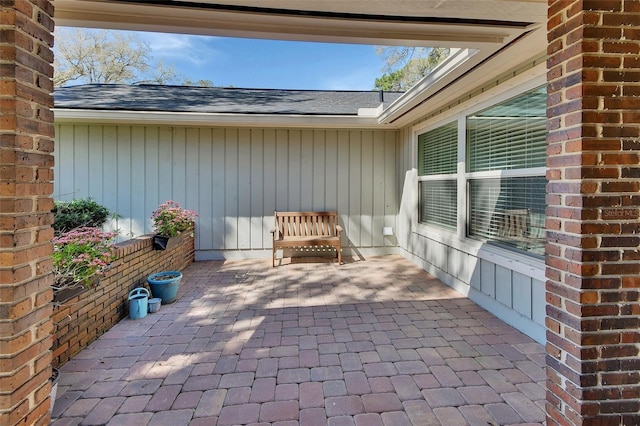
<point x="370" y="342"/>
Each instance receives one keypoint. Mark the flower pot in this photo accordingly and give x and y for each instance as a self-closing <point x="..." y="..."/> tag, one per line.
<point x="154" y="304"/>
<point x="61" y="296"/>
<point x="165" y="285"/>
<point x="165" y="243"/>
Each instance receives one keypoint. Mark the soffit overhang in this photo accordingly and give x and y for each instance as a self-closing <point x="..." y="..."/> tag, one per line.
<point x="496" y="35"/>
<point x="451" y="23"/>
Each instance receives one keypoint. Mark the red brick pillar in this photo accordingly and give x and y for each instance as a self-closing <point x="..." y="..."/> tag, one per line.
<point x="26" y="144"/>
<point x="593" y="258"/>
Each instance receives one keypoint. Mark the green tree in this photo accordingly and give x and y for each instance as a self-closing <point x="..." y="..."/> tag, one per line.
<point x="101" y="56"/>
<point x="405" y="66"/>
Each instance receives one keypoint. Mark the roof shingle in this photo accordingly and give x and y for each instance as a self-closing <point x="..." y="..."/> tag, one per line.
<point x="217" y="99"/>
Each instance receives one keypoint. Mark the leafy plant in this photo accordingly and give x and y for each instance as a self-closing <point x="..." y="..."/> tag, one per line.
<point x="81" y="254"/>
<point x="83" y="212"/>
<point x="169" y="219"/>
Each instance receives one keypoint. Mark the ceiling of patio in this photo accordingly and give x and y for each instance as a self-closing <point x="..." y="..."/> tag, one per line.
<point x="502" y="34"/>
<point x="457" y="23"/>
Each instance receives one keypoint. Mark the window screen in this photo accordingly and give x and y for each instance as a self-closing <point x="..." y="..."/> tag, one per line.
<point x="439" y="202"/>
<point x="509" y="135"/>
<point x="438" y="155"/>
<point x="438" y="150"/>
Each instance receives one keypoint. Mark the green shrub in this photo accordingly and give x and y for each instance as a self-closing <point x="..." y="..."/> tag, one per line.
<point x="83" y="212"/>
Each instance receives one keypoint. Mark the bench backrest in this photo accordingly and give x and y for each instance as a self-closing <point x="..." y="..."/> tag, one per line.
<point x="306" y="224"/>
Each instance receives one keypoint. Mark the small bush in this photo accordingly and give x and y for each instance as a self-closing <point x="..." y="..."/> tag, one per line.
<point x="83" y="212"/>
<point x="79" y="255"/>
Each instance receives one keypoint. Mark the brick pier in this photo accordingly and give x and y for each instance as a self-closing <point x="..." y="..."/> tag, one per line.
<point x="593" y="263"/>
<point x="26" y="175"/>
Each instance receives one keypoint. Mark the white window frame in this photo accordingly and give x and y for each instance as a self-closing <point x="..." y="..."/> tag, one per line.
<point x="440" y="177"/>
<point x="498" y="174"/>
<point x="513" y="259"/>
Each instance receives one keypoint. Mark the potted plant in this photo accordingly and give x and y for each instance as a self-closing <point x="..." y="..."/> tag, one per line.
<point x="164" y="285"/>
<point x="80" y="256"/>
<point x="169" y="221"/>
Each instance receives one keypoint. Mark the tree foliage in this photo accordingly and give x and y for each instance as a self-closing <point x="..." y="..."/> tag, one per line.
<point x="101" y="56"/>
<point x="405" y="66"/>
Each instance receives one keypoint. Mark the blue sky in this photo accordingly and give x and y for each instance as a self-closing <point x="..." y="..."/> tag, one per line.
<point x="268" y="64"/>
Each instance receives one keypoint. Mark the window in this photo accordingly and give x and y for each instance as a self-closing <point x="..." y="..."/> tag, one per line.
<point x="437" y="167"/>
<point x="509" y="211"/>
<point x="506" y="155"/>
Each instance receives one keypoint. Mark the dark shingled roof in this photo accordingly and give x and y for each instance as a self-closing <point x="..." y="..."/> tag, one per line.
<point x="217" y="99"/>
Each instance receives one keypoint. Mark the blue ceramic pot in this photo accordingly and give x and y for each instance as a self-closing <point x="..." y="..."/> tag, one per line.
<point x="165" y="285"/>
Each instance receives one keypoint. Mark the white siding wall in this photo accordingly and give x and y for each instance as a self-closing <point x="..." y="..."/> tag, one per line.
<point x="509" y="285"/>
<point x="515" y="294"/>
<point x="234" y="178"/>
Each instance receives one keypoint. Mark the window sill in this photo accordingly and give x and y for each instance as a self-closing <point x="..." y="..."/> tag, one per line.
<point x="529" y="265"/>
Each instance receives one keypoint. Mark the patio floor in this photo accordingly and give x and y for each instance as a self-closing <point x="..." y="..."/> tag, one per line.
<point x="370" y="342"/>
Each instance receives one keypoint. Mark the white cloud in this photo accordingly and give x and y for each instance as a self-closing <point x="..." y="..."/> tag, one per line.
<point x="171" y="48"/>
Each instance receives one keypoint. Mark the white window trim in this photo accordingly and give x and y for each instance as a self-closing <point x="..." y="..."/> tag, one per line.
<point x="437" y="177"/>
<point x="508" y="173"/>
<point x="449" y="176"/>
<point x="525" y="264"/>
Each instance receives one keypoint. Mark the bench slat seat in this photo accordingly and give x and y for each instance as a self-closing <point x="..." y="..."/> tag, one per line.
<point x="306" y="229"/>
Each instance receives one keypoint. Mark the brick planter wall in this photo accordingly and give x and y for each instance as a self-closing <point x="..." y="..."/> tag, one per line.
<point x="593" y="263"/>
<point x="83" y="318"/>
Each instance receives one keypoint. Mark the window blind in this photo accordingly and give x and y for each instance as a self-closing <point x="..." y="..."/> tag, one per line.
<point x="509" y="211"/>
<point x="510" y="135"/>
<point x="438" y="204"/>
<point x="438" y="150"/>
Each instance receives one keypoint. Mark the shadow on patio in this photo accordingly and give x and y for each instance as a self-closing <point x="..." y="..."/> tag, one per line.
<point x="369" y="342"/>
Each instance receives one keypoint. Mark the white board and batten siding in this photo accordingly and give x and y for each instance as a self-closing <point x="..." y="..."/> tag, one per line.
<point x="234" y="178"/>
<point x="512" y="290"/>
<point x="511" y="285"/>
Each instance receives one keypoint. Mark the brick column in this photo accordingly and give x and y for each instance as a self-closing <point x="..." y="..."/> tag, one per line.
<point x="26" y="144"/>
<point x="593" y="261"/>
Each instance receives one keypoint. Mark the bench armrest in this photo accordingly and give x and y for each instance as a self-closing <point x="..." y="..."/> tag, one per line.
<point x="339" y="229"/>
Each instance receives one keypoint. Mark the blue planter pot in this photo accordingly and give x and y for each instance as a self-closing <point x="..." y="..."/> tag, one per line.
<point x="165" y="285"/>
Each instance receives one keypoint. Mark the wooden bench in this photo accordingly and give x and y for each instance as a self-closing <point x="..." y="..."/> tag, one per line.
<point x="306" y="229"/>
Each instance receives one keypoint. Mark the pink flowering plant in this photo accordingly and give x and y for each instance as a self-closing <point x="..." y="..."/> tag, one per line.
<point x="80" y="255"/>
<point x="169" y="219"/>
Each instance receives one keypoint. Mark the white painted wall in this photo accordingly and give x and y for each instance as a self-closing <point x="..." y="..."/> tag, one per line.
<point x="234" y="178"/>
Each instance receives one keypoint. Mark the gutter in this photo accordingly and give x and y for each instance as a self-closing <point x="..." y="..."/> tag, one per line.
<point x="365" y="121"/>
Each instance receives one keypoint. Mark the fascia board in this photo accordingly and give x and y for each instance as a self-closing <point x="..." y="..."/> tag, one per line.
<point x="63" y="115"/>
<point x="453" y="67"/>
<point x="429" y="96"/>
